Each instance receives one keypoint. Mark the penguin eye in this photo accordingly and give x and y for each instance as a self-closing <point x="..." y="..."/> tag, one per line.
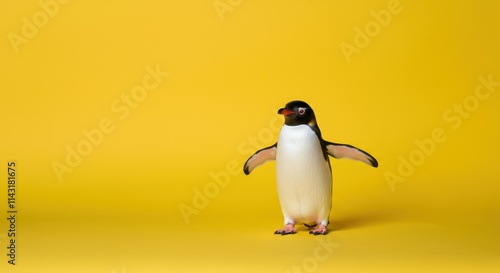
<point x="301" y="111"/>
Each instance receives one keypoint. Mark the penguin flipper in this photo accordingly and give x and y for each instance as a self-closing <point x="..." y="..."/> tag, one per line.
<point x="260" y="157"/>
<point x="339" y="150"/>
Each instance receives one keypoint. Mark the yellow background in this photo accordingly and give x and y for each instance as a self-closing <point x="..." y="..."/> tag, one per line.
<point x="118" y="210"/>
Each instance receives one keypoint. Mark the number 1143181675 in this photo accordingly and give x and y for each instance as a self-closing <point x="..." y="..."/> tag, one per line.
<point x="12" y="210"/>
<point x="12" y="185"/>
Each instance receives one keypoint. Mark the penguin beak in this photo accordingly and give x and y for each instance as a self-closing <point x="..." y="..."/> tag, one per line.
<point x="285" y="112"/>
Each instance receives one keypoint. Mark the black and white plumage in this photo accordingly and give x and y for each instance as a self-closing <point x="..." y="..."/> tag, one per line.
<point x="303" y="171"/>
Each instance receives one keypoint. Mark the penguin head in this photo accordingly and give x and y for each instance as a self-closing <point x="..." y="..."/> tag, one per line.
<point x="298" y="112"/>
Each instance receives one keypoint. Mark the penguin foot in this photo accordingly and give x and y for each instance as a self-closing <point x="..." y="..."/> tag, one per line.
<point x="319" y="230"/>
<point x="288" y="229"/>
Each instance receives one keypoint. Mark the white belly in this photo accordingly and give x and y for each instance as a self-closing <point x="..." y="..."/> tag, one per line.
<point x="303" y="176"/>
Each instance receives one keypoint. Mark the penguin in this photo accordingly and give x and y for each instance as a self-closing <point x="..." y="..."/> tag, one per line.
<point x="303" y="171"/>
